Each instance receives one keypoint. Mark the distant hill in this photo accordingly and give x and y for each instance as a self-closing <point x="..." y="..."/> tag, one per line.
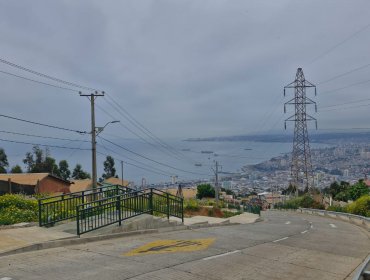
<point x="283" y="138"/>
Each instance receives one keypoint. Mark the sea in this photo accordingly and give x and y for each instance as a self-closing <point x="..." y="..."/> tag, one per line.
<point x="156" y="163"/>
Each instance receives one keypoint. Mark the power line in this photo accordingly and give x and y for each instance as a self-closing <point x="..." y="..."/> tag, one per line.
<point x="346" y="108"/>
<point x="42" y="124"/>
<point x="130" y="130"/>
<point x="340" y="43"/>
<point x="139" y="162"/>
<point x="45" y="76"/>
<point x="147" y="158"/>
<point x="344" y="74"/>
<point x="145" y="130"/>
<point x="353" y="102"/>
<point x="36" y="81"/>
<point x="345" y="87"/>
<point x="140" y="167"/>
<point x="44" y="145"/>
<point x="44" y="137"/>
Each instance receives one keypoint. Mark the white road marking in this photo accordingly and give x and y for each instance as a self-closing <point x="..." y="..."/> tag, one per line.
<point x="303" y="232"/>
<point x="287" y="223"/>
<point x="281" y="239"/>
<point x="333" y="226"/>
<point x="6" y="278"/>
<point x="311" y="226"/>
<point x="218" y="256"/>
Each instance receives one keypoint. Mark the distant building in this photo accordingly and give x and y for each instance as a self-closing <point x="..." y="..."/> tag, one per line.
<point x="33" y="183"/>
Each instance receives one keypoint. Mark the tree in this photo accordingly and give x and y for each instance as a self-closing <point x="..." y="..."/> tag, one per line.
<point x="39" y="161"/>
<point x="109" y="169"/>
<point x="205" y="190"/>
<point x="78" y="173"/>
<point x="3" y="161"/>
<point x="64" y="171"/>
<point x="16" y="169"/>
<point x="357" y="190"/>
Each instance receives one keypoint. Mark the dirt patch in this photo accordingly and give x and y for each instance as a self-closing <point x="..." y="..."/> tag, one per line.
<point x="205" y="211"/>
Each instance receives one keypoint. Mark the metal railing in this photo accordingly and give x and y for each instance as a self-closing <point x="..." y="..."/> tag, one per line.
<point x="100" y="213"/>
<point x="63" y="207"/>
<point x="254" y="209"/>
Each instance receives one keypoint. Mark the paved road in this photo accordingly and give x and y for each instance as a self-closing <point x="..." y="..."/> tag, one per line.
<point x="283" y="246"/>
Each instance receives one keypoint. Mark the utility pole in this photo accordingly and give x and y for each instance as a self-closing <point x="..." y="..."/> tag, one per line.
<point x="92" y="98"/>
<point x="301" y="166"/>
<point x="216" y="182"/>
<point x="122" y="172"/>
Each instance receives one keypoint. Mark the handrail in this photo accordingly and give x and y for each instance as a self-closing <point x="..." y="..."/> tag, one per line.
<point x="64" y="207"/>
<point x="103" y="212"/>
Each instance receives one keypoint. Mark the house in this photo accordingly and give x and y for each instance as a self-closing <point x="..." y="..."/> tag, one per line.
<point x="82" y="185"/>
<point x="32" y="183"/>
<point x="116" y="181"/>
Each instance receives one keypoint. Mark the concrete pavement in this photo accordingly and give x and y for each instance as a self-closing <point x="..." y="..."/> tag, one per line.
<point x="13" y="239"/>
<point x="283" y="246"/>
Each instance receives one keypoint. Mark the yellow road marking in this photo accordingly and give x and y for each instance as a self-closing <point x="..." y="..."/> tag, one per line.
<point x="171" y="246"/>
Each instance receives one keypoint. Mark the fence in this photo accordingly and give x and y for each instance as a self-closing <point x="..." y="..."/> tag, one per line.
<point x="254" y="209"/>
<point x="63" y="207"/>
<point x="115" y="209"/>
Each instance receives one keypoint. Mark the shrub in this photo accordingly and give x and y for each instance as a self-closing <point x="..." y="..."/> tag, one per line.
<point x="191" y="205"/>
<point x="336" y="208"/>
<point x="360" y="207"/>
<point x="17" y="201"/>
<point x="16" y="209"/>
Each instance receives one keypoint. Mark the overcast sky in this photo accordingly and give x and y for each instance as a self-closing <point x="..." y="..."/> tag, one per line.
<point x="184" y="68"/>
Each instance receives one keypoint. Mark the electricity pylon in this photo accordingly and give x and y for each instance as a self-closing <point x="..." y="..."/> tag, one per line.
<point x="301" y="166"/>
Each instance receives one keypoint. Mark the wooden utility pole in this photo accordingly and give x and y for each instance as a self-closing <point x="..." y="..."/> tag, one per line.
<point x="92" y="98"/>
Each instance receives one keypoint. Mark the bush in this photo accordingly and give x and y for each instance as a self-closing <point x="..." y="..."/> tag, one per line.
<point x="17" y="201"/>
<point x="336" y="208"/>
<point x="191" y="205"/>
<point x="16" y="209"/>
<point x="360" y="207"/>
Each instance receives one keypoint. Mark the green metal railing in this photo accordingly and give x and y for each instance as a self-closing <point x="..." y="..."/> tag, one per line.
<point x="254" y="209"/>
<point x="104" y="212"/>
<point x="63" y="207"/>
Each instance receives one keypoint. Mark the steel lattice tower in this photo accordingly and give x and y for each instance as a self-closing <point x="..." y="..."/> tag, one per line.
<point x="301" y="166"/>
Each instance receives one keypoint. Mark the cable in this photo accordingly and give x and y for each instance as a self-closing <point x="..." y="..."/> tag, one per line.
<point x="147" y="158"/>
<point x="340" y="43"/>
<point x="139" y="162"/>
<point x="130" y="130"/>
<point x="353" y="102"/>
<point x="128" y="163"/>
<point x="36" y="81"/>
<point x="45" y="76"/>
<point x="346" y="108"/>
<point x="45" y="137"/>
<point x="345" y="87"/>
<point x="41" y="124"/>
<point x="344" y="74"/>
<point x="142" y="128"/>
<point x="44" y="145"/>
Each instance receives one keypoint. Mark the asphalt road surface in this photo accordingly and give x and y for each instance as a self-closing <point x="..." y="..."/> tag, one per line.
<point x="283" y="246"/>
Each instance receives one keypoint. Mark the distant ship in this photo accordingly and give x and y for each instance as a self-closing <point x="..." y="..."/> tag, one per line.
<point x="248" y="149"/>
<point x="207" y="152"/>
<point x="185" y="150"/>
<point x="198" y="164"/>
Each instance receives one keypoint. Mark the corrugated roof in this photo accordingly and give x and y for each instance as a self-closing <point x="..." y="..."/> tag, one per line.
<point x="187" y="193"/>
<point x="24" y="178"/>
<point x="81" y="185"/>
<point x="116" y="181"/>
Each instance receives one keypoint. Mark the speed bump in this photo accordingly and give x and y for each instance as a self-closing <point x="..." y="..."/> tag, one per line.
<point x="172" y="246"/>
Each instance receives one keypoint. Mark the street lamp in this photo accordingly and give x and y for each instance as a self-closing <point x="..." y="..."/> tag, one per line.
<point x="94" y="132"/>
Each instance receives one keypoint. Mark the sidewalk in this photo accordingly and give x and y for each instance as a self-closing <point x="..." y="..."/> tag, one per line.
<point x="12" y="239"/>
